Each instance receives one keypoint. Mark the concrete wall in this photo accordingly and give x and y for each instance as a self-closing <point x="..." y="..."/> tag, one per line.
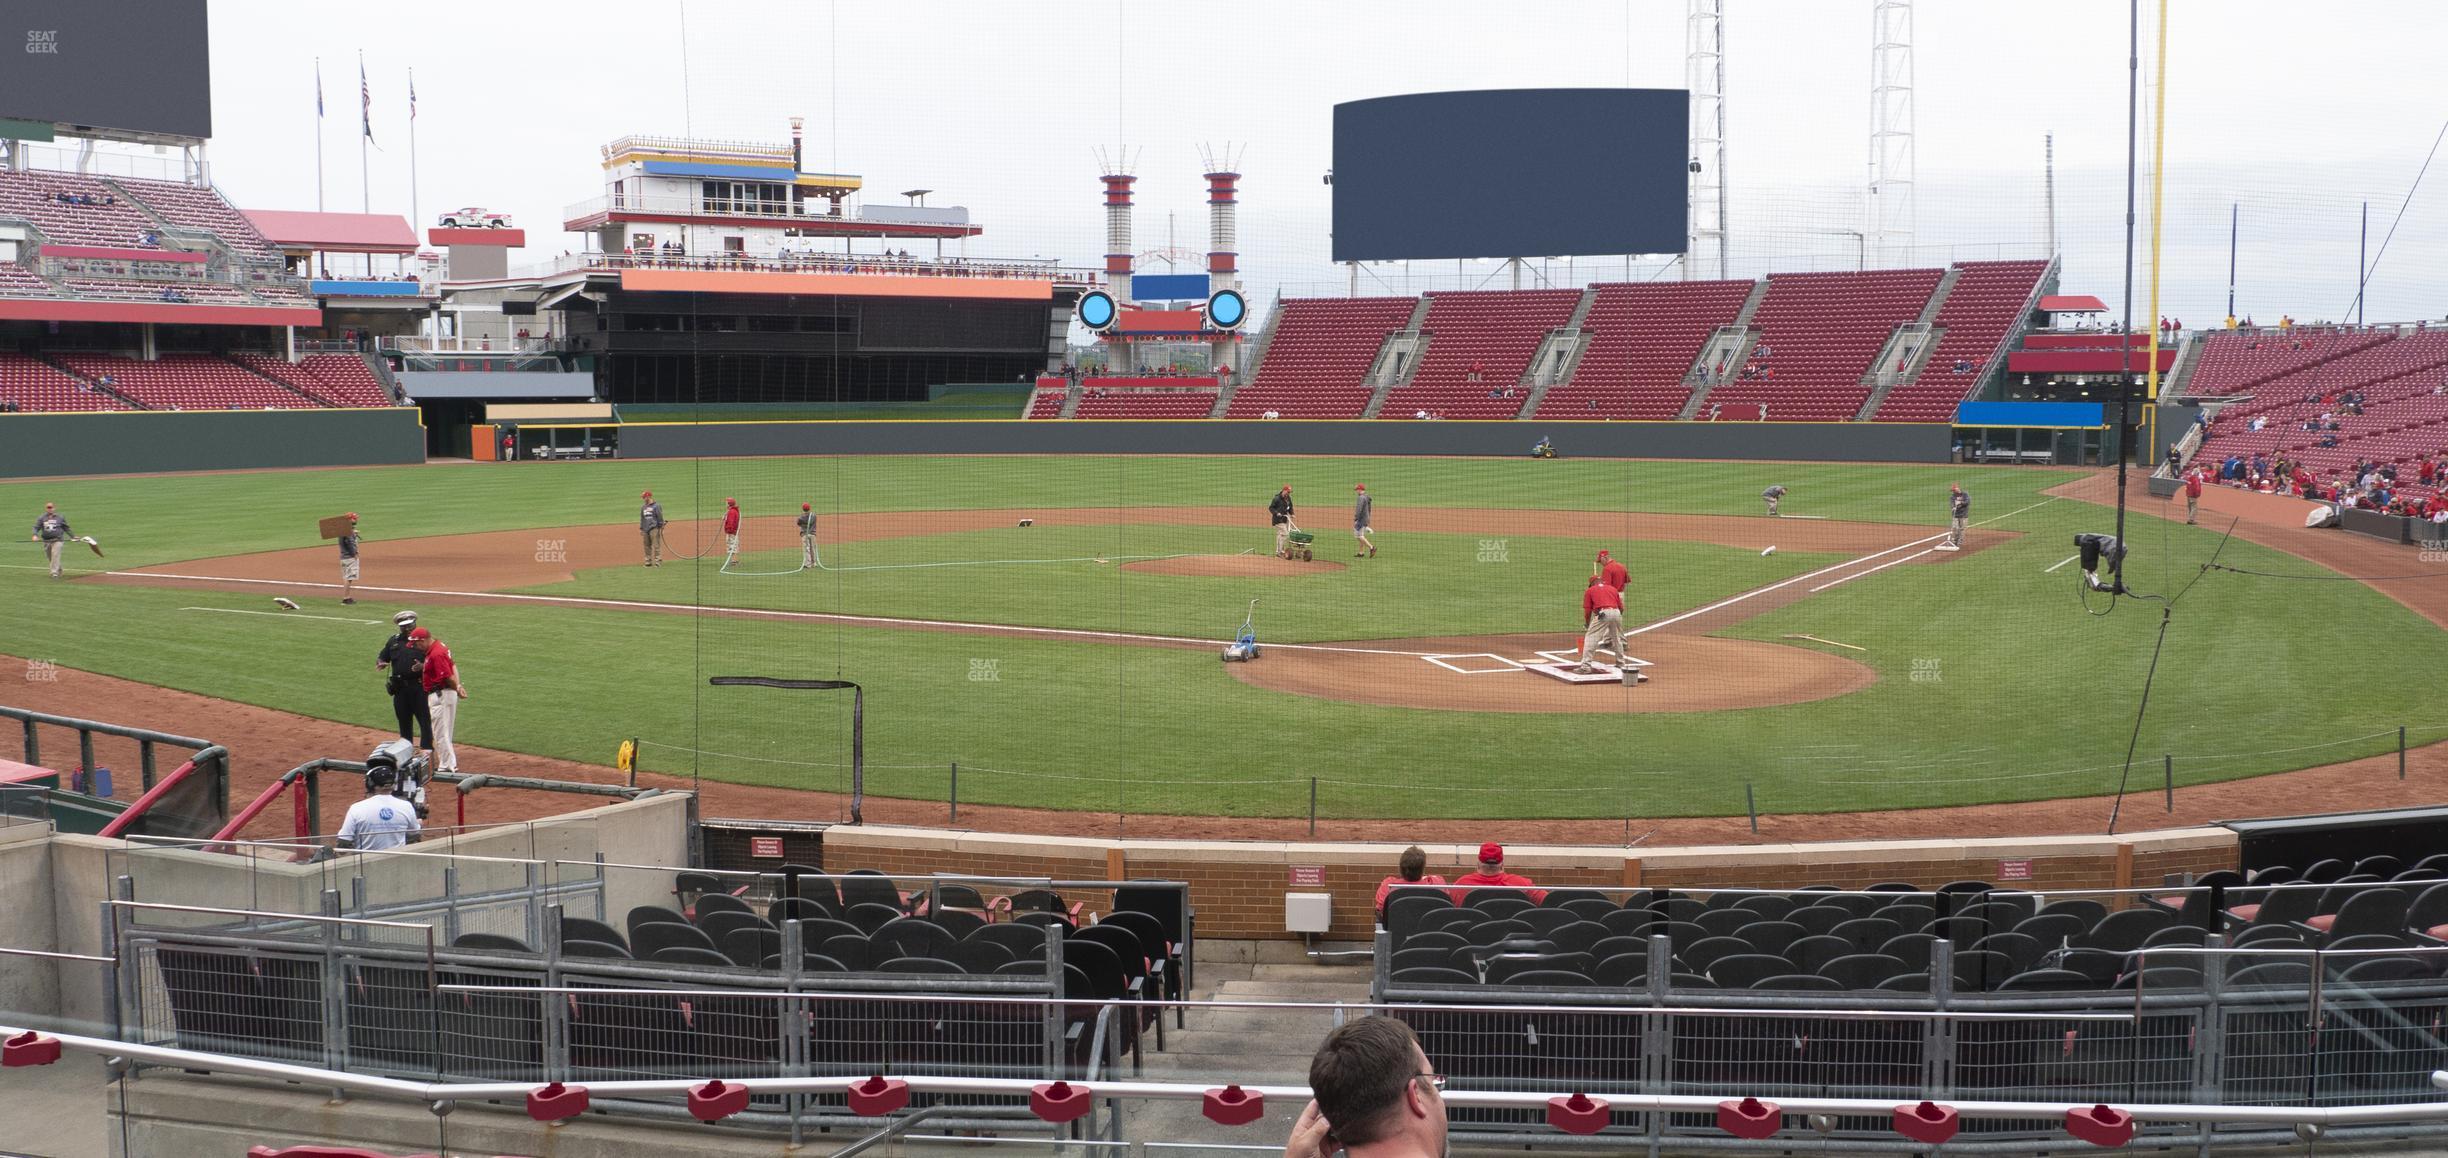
<point x="1815" y="442"/>
<point x="140" y="441"/>
<point x="80" y="870"/>
<point x="1239" y="887"/>
<point x="29" y="986"/>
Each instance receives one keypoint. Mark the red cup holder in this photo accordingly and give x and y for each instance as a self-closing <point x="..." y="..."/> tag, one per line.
<point x="29" y="1049"/>
<point x="1059" y="1102"/>
<point x="2100" y="1125"/>
<point x="717" y="1100"/>
<point x="1578" y="1114"/>
<point x="1233" y="1106"/>
<point x="1749" y="1118"/>
<point x="555" y="1102"/>
<point x="878" y="1096"/>
<point x="1928" y="1123"/>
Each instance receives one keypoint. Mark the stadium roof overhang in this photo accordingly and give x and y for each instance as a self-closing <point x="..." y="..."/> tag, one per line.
<point x="35" y="310"/>
<point x="810" y="226"/>
<point x="298" y="230"/>
<point x="2072" y="304"/>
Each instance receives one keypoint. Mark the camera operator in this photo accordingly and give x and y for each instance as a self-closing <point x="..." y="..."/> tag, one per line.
<point x="381" y="820"/>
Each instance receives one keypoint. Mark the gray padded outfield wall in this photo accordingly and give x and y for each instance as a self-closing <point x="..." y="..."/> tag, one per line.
<point x="1797" y="441"/>
<point x="138" y="441"/>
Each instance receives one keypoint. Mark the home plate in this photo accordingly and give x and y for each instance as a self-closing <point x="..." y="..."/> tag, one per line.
<point x="1604" y="674"/>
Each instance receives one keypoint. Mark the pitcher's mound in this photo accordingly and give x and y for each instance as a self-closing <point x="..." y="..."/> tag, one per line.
<point x="1231" y="566"/>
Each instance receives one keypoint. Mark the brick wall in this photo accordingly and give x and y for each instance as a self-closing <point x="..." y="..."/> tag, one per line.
<point x="1239" y="888"/>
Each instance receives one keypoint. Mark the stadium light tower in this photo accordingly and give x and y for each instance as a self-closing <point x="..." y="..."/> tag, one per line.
<point x="1704" y="75"/>
<point x="1891" y="130"/>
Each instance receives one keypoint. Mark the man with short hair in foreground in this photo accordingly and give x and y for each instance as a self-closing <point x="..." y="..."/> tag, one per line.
<point x="1373" y="1095"/>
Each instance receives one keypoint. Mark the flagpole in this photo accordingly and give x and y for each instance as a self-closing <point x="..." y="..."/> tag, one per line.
<point x="415" y="215"/>
<point x="318" y="135"/>
<point x="365" y="136"/>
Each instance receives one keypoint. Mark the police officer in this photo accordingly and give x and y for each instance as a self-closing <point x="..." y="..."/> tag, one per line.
<point x="406" y="681"/>
<point x="381" y="820"/>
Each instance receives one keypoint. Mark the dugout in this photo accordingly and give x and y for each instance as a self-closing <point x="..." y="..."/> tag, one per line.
<point x="546" y="432"/>
<point x="2034" y="433"/>
<point x="2409" y="834"/>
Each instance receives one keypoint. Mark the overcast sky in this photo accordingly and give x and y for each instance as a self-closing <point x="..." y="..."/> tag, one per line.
<point x="1000" y="105"/>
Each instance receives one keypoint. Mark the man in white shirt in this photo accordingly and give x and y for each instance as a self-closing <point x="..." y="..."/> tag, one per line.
<point x="381" y="820"/>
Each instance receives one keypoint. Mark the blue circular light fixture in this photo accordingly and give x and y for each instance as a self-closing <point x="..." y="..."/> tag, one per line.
<point x="1227" y="309"/>
<point x="1096" y="310"/>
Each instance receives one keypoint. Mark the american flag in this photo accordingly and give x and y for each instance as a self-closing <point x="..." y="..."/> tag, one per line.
<point x="365" y="102"/>
<point x="318" y="90"/>
<point x="412" y="94"/>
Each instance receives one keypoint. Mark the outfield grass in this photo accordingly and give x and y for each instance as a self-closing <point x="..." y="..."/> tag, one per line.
<point x="1995" y="684"/>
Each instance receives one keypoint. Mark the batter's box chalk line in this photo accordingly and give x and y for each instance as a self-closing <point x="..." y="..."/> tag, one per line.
<point x="1439" y="660"/>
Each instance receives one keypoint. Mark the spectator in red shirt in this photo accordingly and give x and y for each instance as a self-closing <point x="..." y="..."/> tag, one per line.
<point x="1412" y="870"/>
<point x="730" y="531"/>
<point x="2192" y="488"/>
<point x="1491" y="874"/>
<point x="1602" y="623"/>
<point x="443" y="691"/>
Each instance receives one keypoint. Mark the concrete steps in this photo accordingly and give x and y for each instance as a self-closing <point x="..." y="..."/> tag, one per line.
<point x="1224" y="1045"/>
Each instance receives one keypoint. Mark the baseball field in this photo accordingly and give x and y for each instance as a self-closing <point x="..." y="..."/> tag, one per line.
<point x="1829" y="660"/>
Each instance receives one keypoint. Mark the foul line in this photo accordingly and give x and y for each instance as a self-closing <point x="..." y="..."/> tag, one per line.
<point x="1871" y="570"/>
<point x="760" y="613"/>
<point x="2061" y="563"/>
<point x="1781" y="584"/>
<point x="284" y="615"/>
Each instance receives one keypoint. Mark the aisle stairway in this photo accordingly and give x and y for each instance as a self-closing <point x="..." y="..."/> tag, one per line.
<point x="1248" y="1046"/>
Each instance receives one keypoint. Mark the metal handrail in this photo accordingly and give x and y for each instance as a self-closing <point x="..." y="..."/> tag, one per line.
<point x="442" y="1096"/>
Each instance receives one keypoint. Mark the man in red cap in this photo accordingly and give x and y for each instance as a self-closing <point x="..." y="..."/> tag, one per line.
<point x="1613" y="572"/>
<point x="348" y="561"/>
<point x="730" y="530"/>
<point x="1601" y="623"/>
<point x="1279" y="512"/>
<point x="443" y="691"/>
<point x="650" y="527"/>
<point x="1491" y="874"/>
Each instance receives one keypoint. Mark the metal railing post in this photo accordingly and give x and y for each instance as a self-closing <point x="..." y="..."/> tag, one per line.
<point x="556" y="1013"/>
<point x="1657" y="1035"/>
<point x="1938" y="1033"/>
<point x="794" y="1048"/>
<point x="450" y="903"/>
<point x="530" y="912"/>
<point x="33" y="744"/>
<point x="85" y="755"/>
<point x="335" y="990"/>
<point x="144" y="760"/>
<point x="1052" y="1021"/>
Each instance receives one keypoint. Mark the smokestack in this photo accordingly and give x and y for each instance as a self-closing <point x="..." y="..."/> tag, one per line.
<point x="1223" y="231"/>
<point x="1118" y="235"/>
<point x="798" y="125"/>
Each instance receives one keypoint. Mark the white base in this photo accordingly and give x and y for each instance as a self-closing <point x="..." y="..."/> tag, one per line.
<point x="1603" y="674"/>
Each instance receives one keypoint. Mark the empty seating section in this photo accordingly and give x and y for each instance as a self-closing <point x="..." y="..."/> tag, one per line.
<point x="1642" y="339"/>
<point x="939" y="942"/>
<point x="188" y="292"/>
<point x="197" y="207"/>
<point x="2400" y="378"/>
<point x="1046" y="403"/>
<point x="1143" y="403"/>
<point x="185" y="382"/>
<point x="1822" y="331"/>
<point x="340" y="379"/>
<point x="29" y="384"/>
<point x="18" y="282"/>
<point x="2235" y="362"/>
<point x="1479" y="345"/>
<point x="99" y="216"/>
<point x="1318" y="358"/>
<point x="1986" y="304"/>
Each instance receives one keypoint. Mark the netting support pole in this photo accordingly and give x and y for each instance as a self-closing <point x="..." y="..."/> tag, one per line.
<point x="2401" y="751"/>
<point x="1751" y="805"/>
<point x="952" y="796"/>
<point x="2168" y="762"/>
